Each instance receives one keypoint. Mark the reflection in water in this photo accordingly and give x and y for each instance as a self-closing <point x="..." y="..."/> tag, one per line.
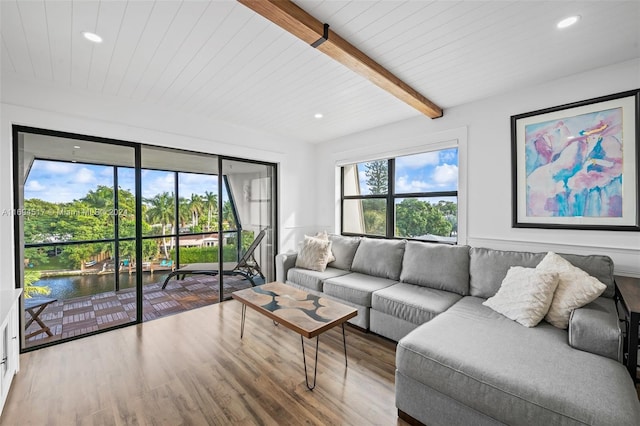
<point x="86" y="285"/>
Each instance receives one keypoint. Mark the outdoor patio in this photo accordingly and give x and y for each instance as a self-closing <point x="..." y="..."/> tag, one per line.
<point x="77" y="316"/>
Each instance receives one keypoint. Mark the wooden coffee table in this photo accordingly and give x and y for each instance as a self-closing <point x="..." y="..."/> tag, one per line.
<point x="306" y="314"/>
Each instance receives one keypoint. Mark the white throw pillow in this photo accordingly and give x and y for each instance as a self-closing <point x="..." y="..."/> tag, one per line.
<point x="525" y="295"/>
<point x="314" y="254"/>
<point x="575" y="289"/>
<point x="324" y="236"/>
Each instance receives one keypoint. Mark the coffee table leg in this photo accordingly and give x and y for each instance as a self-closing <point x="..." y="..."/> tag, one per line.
<point x="244" y="314"/>
<point x="344" y="341"/>
<point x="315" y="368"/>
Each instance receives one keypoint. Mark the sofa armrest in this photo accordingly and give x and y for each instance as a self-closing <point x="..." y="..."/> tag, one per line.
<point x="284" y="262"/>
<point x="595" y="328"/>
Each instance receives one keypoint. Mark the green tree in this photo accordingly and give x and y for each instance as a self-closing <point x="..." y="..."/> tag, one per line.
<point x="415" y="218"/>
<point x="161" y="210"/>
<point x="30" y="289"/>
<point x="40" y="224"/>
<point x="377" y="174"/>
<point x="449" y="210"/>
<point x="196" y="206"/>
<point x="184" y="213"/>
<point x="375" y="216"/>
<point x="101" y="198"/>
<point x="228" y="218"/>
<point x="211" y="206"/>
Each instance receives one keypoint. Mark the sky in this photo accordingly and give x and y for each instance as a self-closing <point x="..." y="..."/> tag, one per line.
<point x="62" y="182"/>
<point x="427" y="172"/>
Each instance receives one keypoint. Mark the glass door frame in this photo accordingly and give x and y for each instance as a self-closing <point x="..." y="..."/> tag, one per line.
<point x="139" y="238"/>
<point x="18" y="234"/>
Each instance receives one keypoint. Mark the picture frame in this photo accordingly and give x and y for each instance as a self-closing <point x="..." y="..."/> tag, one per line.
<point x="575" y="166"/>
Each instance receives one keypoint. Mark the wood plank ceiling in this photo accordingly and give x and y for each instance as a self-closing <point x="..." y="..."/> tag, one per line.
<point x="219" y="60"/>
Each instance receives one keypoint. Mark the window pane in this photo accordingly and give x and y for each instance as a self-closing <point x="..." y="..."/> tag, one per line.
<point x="370" y="178"/>
<point x="433" y="171"/>
<point x="429" y="219"/>
<point x="198" y="202"/>
<point x="158" y="202"/>
<point x="365" y="216"/>
<point x="66" y="201"/>
<point x="126" y="202"/>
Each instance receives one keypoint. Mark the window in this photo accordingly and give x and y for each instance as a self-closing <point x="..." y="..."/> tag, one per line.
<point x="413" y="196"/>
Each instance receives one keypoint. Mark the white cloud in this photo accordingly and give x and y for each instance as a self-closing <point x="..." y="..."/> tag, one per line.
<point x="403" y="184"/>
<point x="418" y="160"/>
<point x="448" y="156"/>
<point x="35" y="186"/>
<point x="445" y="174"/>
<point x="84" y="175"/>
<point x="153" y="185"/>
<point x="58" y="167"/>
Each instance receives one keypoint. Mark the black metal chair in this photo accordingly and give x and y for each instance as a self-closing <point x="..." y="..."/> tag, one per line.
<point x="247" y="266"/>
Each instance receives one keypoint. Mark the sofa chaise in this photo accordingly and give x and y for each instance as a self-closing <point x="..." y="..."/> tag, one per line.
<point x="459" y="362"/>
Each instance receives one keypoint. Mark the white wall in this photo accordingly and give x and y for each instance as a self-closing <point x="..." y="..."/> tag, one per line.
<point x="76" y="112"/>
<point x="488" y="173"/>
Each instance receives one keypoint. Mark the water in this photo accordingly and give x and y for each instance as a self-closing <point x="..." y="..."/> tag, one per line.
<point x="87" y="285"/>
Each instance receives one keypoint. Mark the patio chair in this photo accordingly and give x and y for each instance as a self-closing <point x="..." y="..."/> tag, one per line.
<point x="247" y="266"/>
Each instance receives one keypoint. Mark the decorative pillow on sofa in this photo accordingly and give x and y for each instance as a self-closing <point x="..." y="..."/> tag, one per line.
<point x="575" y="289"/>
<point x="324" y="236"/>
<point x="525" y="295"/>
<point x="344" y="250"/>
<point x="314" y="254"/>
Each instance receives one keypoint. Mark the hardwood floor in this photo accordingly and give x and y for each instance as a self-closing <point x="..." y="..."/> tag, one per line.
<point x="193" y="369"/>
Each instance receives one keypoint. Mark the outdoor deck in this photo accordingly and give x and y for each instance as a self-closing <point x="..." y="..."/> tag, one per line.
<point x="77" y="316"/>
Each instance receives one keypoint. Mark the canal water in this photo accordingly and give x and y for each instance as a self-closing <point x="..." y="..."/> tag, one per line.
<point x="86" y="285"/>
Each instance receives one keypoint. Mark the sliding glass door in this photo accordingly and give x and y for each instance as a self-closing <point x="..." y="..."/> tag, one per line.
<point x="77" y="236"/>
<point x="106" y="229"/>
<point x="252" y="187"/>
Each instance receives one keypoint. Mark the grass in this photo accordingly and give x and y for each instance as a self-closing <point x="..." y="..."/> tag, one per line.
<point x="55" y="263"/>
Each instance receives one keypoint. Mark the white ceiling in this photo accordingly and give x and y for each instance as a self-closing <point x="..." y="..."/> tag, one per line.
<point x="222" y="61"/>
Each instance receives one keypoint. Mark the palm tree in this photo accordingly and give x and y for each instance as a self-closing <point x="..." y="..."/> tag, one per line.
<point x="101" y="198"/>
<point x="195" y="208"/>
<point x="211" y="204"/>
<point x="161" y="211"/>
<point x="184" y="214"/>
<point x="227" y="215"/>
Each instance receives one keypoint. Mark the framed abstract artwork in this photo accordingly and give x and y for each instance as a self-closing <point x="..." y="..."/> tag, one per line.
<point x="575" y="166"/>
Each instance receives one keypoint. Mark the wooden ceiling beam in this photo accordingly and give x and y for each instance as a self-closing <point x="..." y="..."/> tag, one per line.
<point x="295" y="20"/>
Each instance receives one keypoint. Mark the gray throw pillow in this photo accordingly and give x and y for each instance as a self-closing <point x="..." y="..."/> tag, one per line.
<point x="380" y="258"/>
<point x="344" y="250"/>
<point x="436" y="266"/>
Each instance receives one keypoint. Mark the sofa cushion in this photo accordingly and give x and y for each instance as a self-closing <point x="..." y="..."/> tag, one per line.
<point x="312" y="279"/>
<point x="575" y="289"/>
<point x="525" y="295"/>
<point x="437" y="266"/>
<point x="412" y="303"/>
<point x="344" y="250"/>
<point x="514" y="374"/>
<point x="595" y="328"/>
<point x="379" y="258"/>
<point x="598" y="266"/>
<point x="488" y="267"/>
<point x="355" y="287"/>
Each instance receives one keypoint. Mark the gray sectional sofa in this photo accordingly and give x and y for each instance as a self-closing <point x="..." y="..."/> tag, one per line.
<point x="459" y="362"/>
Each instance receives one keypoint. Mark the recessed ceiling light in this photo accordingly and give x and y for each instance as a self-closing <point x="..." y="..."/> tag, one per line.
<point x="318" y="115"/>
<point x="76" y="147"/>
<point x="92" y="37"/>
<point x="567" y="22"/>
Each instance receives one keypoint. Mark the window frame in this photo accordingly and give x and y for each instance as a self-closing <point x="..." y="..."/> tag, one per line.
<point x="391" y="196"/>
